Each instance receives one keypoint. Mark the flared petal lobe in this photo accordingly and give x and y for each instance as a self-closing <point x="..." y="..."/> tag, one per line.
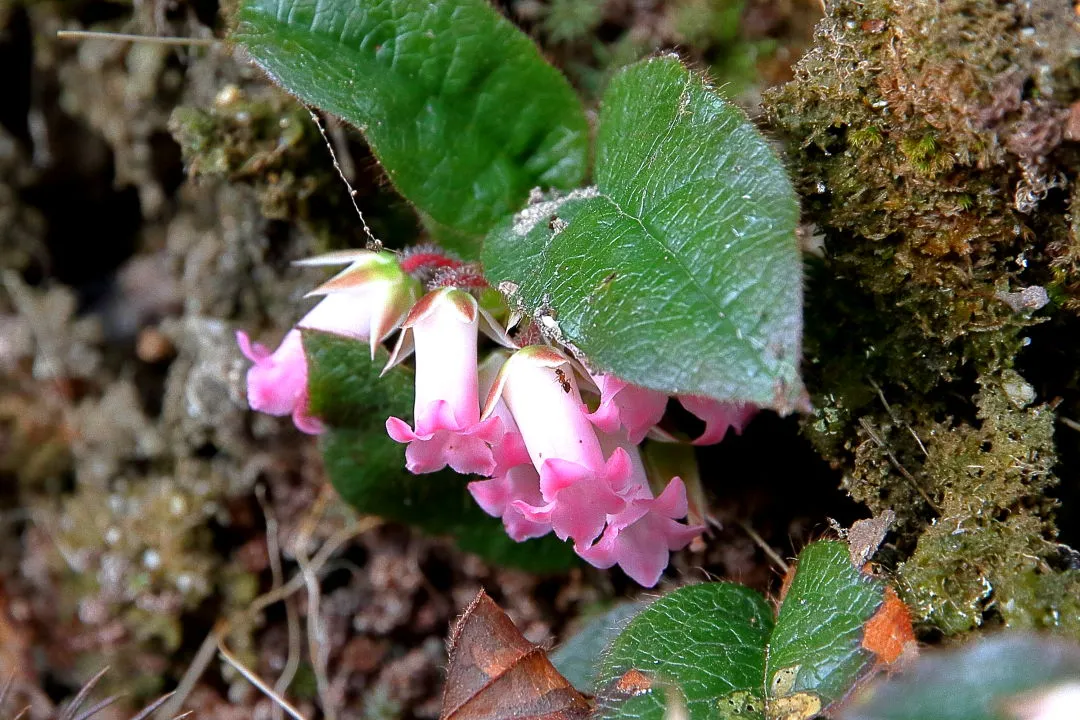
<point x="718" y="417"/>
<point x="623" y="405"/>
<point x="641" y="539"/>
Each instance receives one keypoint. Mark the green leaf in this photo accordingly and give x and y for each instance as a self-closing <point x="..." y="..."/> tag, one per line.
<point x="706" y="640"/>
<point x="979" y="681"/>
<point x="368" y="468"/>
<point x="457" y="104"/>
<point x="716" y="649"/>
<point x="817" y="645"/>
<point x="576" y="658"/>
<point x="680" y="270"/>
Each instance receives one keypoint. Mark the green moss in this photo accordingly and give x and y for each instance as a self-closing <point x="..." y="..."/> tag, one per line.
<point x="927" y="141"/>
<point x="270" y="142"/>
<point x="259" y="141"/>
<point x="985" y="552"/>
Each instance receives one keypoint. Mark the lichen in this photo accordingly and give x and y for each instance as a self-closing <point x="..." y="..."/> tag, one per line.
<point x="933" y="149"/>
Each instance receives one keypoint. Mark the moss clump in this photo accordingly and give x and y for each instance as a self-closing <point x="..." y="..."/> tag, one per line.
<point x="266" y="141"/>
<point x="269" y="141"/>
<point x="933" y="148"/>
<point x="986" y="550"/>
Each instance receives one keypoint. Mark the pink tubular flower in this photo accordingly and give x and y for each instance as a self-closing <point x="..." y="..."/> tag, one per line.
<point x="277" y="382"/>
<point x="718" y="416"/>
<point x="578" y="487"/>
<point x="641" y="538"/>
<point x="625" y="405"/>
<point x="514" y="478"/>
<point x="442" y="329"/>
<point x="367" y="301"/>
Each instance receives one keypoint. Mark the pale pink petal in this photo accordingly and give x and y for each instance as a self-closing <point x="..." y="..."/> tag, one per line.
<point x="496" y="496"/>
<point x="672" y="501"/>
<point x="347" y="314"/>
<point x="427" y="455"/>
<point x="619" y="473"/>
<point x="255" y="352"/>
<point x="641" y="548"/>
<point x="437" y="415"/>
<point x="644" y="554"/>
<point x="277" y="381"/>
<point x="304" y="421"/>
<point x="623" y="405"/>
<point x="631" y="549"/>
<point x="367" y="300"/>
<point x="469" y="454"/>
<point x="557" y="474"/>
<point x="640" y="537"/>
<point x="580" y="499"/>
<point x="521" y="528"/>
<point x="510" y="450"/>
<point x="399" y="430"/>
<point x="547" y="408"/>
<point x="718" y="416"/>
<point x="444" y="328"/>
<point x="535" y="513"/>
<point x="492" y="495"/>
<point x="636" y="484"/>
<point x="467" y="451"/>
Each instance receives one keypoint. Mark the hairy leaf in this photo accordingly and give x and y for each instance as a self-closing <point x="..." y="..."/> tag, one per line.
<point x="679" y="271"/>
<point x="816" y="647"/>
<point x="457" y="104"/>
<point x="576" y="658"/>
<point x="701" y="646"/>
<point x="368" y="468"/>
<point x="716" y="649"/>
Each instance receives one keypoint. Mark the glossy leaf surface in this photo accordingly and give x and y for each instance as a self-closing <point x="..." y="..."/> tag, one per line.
<point x="701" y="645"/>
<point x="679" y="271"/>
<point x="457" y="104"/>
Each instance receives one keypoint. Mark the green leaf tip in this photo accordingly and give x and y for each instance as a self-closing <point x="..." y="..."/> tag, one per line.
<point x="457" y="104"/>
<point x="679" y="271"/>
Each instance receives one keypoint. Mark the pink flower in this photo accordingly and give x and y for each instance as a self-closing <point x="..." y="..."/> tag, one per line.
<point x="514" y="478"/>
<point x="367" y="301"/>
<point x="277" y="382"/>
<point x="498" y="496"/>
<point x="579" y="488"/>
<point x="442" y="329"/>
<point x="718" y="416"/>
<point x="624" y="405"/>
<point x="641" y="538"/>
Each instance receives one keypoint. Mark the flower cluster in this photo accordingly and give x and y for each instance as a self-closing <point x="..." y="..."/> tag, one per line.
<point x="557" y="445"/>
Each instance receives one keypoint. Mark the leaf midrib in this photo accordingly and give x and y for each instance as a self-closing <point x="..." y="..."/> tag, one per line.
<point x="742" y="337"/>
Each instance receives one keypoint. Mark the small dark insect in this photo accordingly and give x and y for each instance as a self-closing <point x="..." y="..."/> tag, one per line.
<point x="560" y="377"/>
